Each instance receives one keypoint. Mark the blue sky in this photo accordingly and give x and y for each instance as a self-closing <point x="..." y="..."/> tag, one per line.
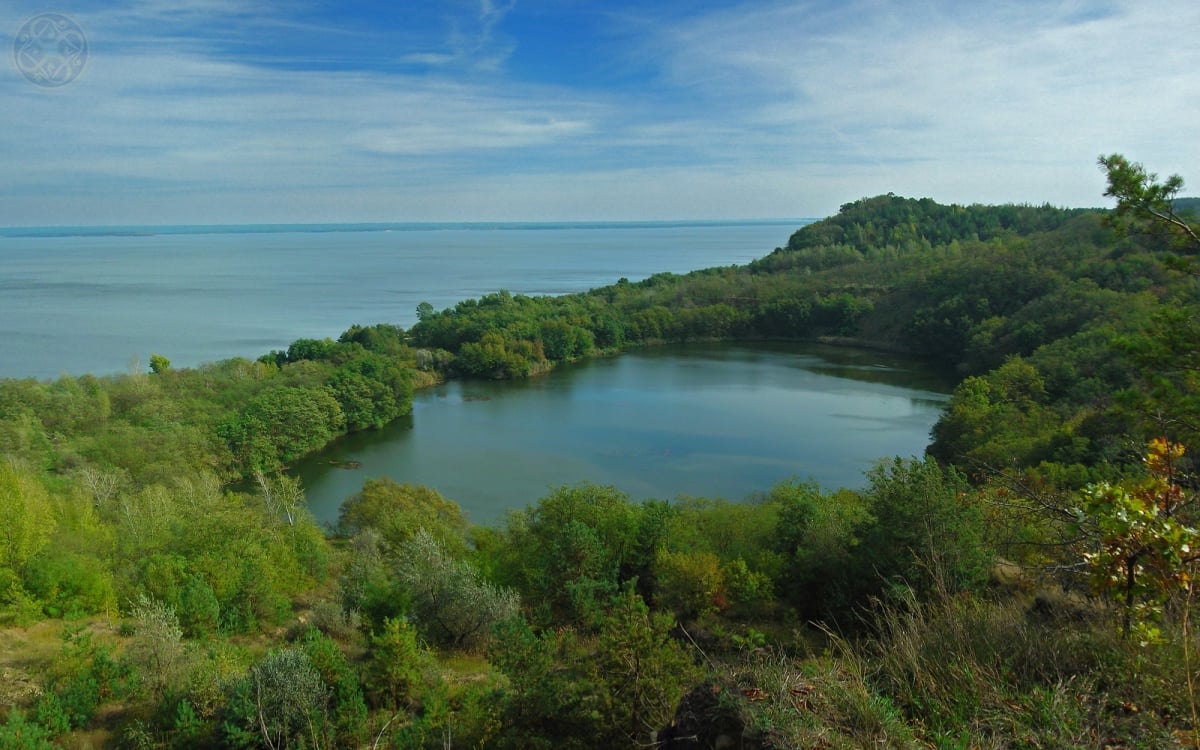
<point x="224" y="111"/>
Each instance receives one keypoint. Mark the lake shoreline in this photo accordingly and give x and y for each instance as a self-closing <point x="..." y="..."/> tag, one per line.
<point x="720" y="418"/>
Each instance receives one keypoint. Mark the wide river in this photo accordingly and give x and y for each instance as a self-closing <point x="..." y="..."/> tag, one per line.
<point x="702" y="420"/>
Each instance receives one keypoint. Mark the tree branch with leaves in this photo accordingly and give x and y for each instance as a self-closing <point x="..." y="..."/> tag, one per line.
<point x="1143" y="200"/>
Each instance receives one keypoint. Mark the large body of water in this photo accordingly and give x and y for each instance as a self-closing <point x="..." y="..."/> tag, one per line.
<point x="76" y="300"/>
<point x="724" y="420"/>
<point x="713" y="420"/>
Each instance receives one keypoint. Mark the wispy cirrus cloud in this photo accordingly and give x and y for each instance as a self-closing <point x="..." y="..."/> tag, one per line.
<point x="222" y="110"/>
<point x="952" y="90"/>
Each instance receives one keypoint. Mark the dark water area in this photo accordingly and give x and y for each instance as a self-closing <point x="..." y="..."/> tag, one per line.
<point x="712" y="420"/>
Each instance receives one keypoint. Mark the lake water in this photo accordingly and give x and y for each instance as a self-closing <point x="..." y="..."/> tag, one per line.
<point x="700" y="420"/>
<point x="96" y="300"/>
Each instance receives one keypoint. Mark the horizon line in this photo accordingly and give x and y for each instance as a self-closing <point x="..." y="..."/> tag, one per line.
<point x="67" y="230"/>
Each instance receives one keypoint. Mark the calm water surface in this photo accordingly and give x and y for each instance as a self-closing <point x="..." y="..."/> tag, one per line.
<point x="94" y="302"/>
<point x="704" y="420"/>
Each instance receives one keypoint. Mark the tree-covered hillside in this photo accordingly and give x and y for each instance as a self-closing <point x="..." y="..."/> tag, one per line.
<point x="1027" y="584"/>
<point x="1036" y="299"/>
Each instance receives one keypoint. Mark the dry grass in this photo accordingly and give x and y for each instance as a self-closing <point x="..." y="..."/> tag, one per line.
<point x="25" y="656"/>
<point x="982" y="674"/>
<point x="967" y="673"/>
<point x="818" y="702"/>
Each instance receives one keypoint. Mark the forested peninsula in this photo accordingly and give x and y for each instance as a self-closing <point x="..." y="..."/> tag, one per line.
<point x="1026" y="584"/>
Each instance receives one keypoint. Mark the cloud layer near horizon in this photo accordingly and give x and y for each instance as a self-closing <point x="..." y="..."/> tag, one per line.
<point x="219" y="111"/>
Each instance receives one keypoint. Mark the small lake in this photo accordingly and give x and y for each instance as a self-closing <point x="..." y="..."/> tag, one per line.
<point x="712" y="420"/>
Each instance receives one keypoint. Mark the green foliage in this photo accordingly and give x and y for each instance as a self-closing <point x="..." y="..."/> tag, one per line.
<point x="450" y="601"/>
<point x="281" y="703"/>
<point x="640" y="672"/>
<point x="199" y="611"/>
<point x="889" y="221"/>
<point x="28" y="518"/>
<point x="713" y="556"/>
<point x="224" y="561"/>
<point x="550" y="699"/>
<point x="563" y="693"/>
<point x="314" y="349"/>
<point x="976" y="431"/>
<point x="83" y="676"/>
<point x="372" y="389"/>
<point x="283" y="424"/>
<point x="1143" y="201"/>
<point x="23" y="438"/>
<point x="1145" y="543"/>
<point x="187" y="728"/>
<point x="367" y="586"/>
<point x="18" y="733"/>
<point x="572" y="551"/>
<point x="347" y="709"/>
<point x="159" y="364"/>
<point x="157" y="650"/>
<point x="394" y="674"/>
<point x="381" y="338"/>
<point x="690" y="584"/>
<point x="818" y="535"/>
<point x="493" y="356"/>
<point x="926" y="534"/>
<point x="70" y="584"/>
<point x="398" y="511"/>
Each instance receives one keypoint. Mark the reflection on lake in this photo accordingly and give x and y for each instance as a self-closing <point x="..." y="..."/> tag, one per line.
<point x="703" y="420"/>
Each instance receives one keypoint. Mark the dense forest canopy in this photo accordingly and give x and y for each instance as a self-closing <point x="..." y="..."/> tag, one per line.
<point x="1026" y="584"/>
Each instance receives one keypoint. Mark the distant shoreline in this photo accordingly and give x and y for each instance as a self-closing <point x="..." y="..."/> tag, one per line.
<point x="138" y="230"/>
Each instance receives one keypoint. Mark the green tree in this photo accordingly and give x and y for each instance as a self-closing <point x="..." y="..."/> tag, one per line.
<point x="157" y="649"/>
<point x="640" y="671"/>
<point x="927" y="535"/>
<point x="1145" y="538"/>
<point x="282" y="424"/>
<point x="381" y="338"/>
<point x="347" y="708"/>
<point x="1143" y="201"/>
<point x="568" y="554"/>
<point x="290" y="700"/>
<point x="550" y="699"/>
<point x="394" y="674"/>
<point x="690" y="584"/>
<point x="18" y="733"/>
<point x="317" y="349"/>
<point x="398" y="511"/>
<point x="28" y="518"/>
<point x="451" y="601"/>
<point x="818" y="535"/>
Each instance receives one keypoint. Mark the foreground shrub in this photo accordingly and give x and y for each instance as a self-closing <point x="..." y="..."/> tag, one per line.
<point x="18" y="733"/>
<point x="450" y="600"/>
<point x="1001" y="674"/>
<point x="281" y="701"/>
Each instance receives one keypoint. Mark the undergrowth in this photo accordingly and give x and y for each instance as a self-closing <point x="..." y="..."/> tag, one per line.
<point x="968" y="672"/>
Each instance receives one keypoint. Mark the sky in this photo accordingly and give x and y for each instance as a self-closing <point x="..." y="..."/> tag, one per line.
<point x="231" y="111"/>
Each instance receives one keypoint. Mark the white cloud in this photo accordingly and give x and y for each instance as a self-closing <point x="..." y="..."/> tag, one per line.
<point x="959" y="90"/>
<point x="766" y="109"/>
